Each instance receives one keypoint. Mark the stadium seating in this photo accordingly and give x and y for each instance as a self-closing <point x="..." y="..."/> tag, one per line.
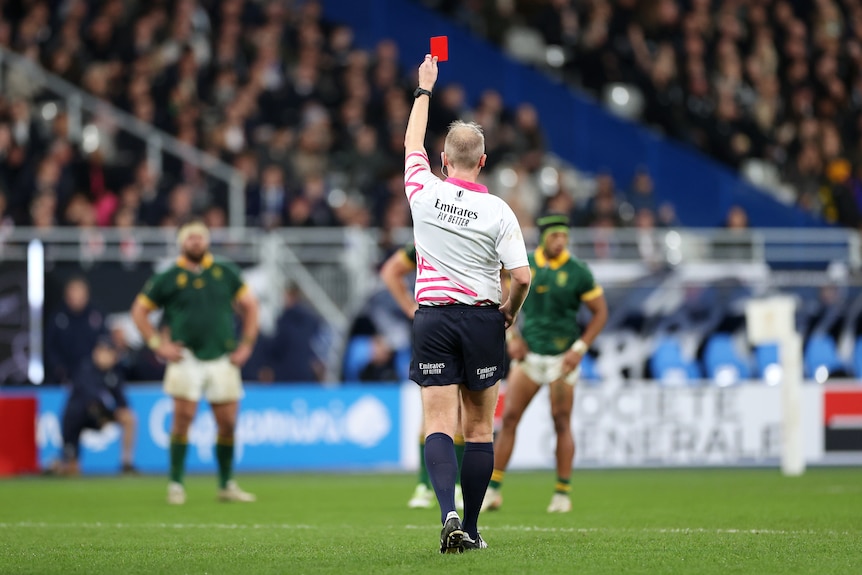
<point x="670" y="367"/>
<point x="402" y="362"/>
<point x="857" y="358"/>
<point x="356" y="356"/>
<point x="766" y="361"/>
<point x="821" y="351"/>
<point x="722" y="363"/>
<point x="589" y="374"/>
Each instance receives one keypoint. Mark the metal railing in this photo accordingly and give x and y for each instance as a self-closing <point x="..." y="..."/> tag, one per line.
<point x="358" y="247"/>
<point x="808" y="247"/>
<point x="336" y="267"/>
<point x="77" y="102"/>
<point x="330" y="266"/>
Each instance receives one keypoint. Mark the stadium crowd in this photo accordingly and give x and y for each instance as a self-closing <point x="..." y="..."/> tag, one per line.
<point x="779" y="80"/>
<point x="314" y="124"/>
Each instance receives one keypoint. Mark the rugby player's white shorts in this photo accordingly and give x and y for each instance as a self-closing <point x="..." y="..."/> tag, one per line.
<point x="218" y="380"/>
<point x="544" y="369"/>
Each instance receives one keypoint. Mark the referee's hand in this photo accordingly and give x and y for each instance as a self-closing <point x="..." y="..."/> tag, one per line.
<point x="428" y="73"/>
<point x="506" y="310"/>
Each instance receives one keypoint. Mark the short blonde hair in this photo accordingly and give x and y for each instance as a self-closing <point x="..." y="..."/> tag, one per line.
<point x="192" y="227"/>
<point x="465" y="144"/>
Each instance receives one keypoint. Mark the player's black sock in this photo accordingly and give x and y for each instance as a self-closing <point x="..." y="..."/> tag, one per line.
<point x="475" y="474"/>
<point x="442" y="469"/>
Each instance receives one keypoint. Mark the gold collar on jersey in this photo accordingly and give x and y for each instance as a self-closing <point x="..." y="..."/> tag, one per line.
<point x="555" y="263"/>
<point x="206" y="263"/>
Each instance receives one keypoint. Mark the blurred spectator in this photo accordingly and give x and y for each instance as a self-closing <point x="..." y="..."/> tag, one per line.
<point x="6" y="222"/>
<point x="640" y="195"/>
<point x="648" y="244"/>
<point x="736" y="242"/>
<point x="139" y="364"/>
<point x="292" y="355"/>
<point x="602" y="209"/>
<point x="97" y="398"/>
<point x="836" y="195"/>
<point x="72" y="332"/>
<point x="273" y="198"/>
<point x="381" y="367"/>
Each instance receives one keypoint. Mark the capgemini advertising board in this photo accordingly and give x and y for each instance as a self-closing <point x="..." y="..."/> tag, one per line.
<point x="279" y="428"/>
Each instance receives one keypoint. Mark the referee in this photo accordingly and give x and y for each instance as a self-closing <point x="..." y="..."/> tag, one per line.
<point x="463" y="235"/>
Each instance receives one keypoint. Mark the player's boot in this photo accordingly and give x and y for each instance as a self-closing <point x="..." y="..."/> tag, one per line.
<point x="452" y="535"/>
<point x="493" y="500"/>
<point x="232" y="492"/>
<point x="129" y="470"/>
<point x="470" y="544"/>
<point x="423" y="498"/>
<point x="459" y="497"/>
<point x="560" y="503"/>
<point x="176" y="493"/>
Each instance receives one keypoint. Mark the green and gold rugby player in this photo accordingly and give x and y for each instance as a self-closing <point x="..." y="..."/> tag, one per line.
<point x="198" y="295"/>
<point x="548" y="351"/>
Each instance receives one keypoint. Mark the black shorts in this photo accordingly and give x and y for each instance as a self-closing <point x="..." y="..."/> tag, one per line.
<point x="458" y="344"/>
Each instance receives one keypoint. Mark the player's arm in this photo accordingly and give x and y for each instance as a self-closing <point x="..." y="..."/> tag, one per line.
<point x="141" y="308"/>
<point x="414" y="140"/>
<point x="393" y="272"/>
<point x="247" y="309"/>
<point x="598" y="306"/>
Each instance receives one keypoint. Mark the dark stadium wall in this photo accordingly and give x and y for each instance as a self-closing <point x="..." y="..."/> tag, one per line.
<point x="578" y="129"/>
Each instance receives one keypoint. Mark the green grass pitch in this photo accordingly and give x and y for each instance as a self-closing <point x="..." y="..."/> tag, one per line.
<point x="636" y="521"/>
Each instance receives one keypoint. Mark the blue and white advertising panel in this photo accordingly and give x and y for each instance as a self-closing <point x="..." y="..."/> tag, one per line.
<point x="279" y="428"/>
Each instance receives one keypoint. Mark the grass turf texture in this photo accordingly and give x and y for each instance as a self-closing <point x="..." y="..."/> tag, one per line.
<point x="668" y="521"/>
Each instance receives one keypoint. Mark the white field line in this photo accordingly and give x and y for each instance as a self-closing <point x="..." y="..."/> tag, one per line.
<point x="658" y="530"/>
<point x="515" y="528"/>
<point x="111" y="525"/>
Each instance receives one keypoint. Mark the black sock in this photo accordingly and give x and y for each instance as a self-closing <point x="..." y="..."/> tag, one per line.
<point x="442" y="469"/>
<point x="475" y="475"/>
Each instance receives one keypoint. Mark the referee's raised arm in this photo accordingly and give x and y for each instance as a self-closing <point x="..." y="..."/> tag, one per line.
<point x="418" y="122"/>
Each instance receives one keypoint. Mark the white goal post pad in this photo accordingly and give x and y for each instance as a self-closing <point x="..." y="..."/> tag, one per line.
<point x="770" y="320"/>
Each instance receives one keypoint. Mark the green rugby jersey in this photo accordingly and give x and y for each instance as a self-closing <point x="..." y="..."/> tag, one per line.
<point x="198" y="305"/>
<point x="551" y="308"/>
<point x="409" y="252"/>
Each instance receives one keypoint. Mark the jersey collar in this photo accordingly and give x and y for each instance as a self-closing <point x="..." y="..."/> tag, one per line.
<point x="206" y="262"/>
<point x="472" y="186"/>
<point x="556" y="263"/>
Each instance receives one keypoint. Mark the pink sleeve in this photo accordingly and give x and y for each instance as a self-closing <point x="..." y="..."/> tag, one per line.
<point x="417" y="172"/>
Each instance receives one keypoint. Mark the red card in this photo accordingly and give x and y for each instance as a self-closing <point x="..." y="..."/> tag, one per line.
<point x="440" y="48"/>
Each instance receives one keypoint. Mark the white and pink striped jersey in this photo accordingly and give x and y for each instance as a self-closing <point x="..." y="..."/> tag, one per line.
<point x="463" y="236"/>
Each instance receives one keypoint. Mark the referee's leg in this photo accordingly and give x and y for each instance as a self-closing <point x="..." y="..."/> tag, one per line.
<point x="440" y="409"/>
<point x="477" y="419"/>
